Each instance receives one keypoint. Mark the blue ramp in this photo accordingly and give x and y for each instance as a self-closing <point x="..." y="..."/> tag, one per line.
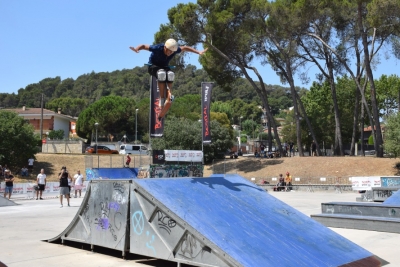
<point x="111" y="173"/>
<point x="393" y="199"/>
<point x="228" y="221"/>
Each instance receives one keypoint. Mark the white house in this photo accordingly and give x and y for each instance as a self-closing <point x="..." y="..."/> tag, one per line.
<point x="51" y="120"/>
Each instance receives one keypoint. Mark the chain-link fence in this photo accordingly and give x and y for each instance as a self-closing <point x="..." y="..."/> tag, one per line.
<point x="116" y="161"/>
<point x="224" y="166"/>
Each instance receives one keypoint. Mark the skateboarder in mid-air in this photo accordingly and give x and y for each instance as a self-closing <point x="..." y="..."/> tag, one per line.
<point x="161" y="55"/>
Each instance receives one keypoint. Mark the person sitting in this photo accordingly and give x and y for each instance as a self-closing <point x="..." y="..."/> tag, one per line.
<point x="24" y="171"/>
<point x="256" y="154"/>
<point x="236" y="155"/>
<point x="281" y="183"/>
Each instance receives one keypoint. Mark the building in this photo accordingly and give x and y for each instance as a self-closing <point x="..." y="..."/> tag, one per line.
<point x="51" y="120"/>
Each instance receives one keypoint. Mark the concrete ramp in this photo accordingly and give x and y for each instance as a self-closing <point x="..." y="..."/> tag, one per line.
<point x="393" y="199"/>
<point x="6" y="202"/>
<point x="216" y="221"/>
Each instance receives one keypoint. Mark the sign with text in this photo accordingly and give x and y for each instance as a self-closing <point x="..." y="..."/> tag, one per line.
<point x="183" y="155"/>
<point x="365" y="182"/>
<point x="206" y="88"/>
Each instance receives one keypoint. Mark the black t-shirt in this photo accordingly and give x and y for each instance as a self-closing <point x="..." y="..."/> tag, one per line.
<point x="9" y="177"/>
<point x="64" y="179"/>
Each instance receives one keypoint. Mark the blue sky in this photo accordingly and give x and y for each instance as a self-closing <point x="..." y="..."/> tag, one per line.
<point x="45" y="38"/>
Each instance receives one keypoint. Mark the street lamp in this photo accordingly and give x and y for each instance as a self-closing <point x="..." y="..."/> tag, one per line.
<point x="96" y="125"/>
<point x="136" y="127"/>
<point x="240" y="127"/>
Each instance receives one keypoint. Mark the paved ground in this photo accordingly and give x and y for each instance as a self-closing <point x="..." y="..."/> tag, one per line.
<point x="24" y="226"/>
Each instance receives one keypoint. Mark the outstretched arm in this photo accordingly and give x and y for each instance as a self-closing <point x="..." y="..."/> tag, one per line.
<point x="139" y="47"/>
<point x="191" y="49"/>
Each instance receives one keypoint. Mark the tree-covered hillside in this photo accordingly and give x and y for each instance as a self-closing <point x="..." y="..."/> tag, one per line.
<point x="130" y="83"/>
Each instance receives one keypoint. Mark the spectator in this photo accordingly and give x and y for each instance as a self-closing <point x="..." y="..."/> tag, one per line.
<point x="280" y="186"/>
<point x="288" y="181"/>
<point x="78" y="184"/>
<point x="70" y="185"/>
<point x="313" y="149"/>
<point x="291" y="149"/>
<point x="64" y="190"/>
<point x="41" y="182"/>
<point x="262" y="147"/>
<point x="9" y="179"/>
<point x="24" y="171"/>
<point x="1" y="171"/>
<point x="128" y="160"/>
<point x="30" y="164"/>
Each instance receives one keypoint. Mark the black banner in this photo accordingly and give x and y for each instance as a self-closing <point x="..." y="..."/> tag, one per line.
<point x="206" y="89"/>
<point x="156" y="126"/>
<point x="158" y="157"/>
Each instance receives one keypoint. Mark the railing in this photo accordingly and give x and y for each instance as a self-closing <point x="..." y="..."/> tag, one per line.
<point x="116" y="161"/>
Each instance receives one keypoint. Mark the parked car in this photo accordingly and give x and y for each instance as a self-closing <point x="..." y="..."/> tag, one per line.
<point x="133" y="149"/>
<point x="101" y="150"/>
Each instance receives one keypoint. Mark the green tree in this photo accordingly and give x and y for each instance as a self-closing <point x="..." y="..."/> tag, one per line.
<point x="392" y="135"/>
<point x="68" y="105"/>
<point x="56" y="135"/>
<point x="18" y="142"/>
<point x="114" y="114"/>
<point x="185" y="134"/>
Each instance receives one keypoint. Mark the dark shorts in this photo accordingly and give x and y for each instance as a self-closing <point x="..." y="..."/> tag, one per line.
<point x="152" y="70"/>
<point x="8" y="189"/>
<point x="41" y="187"/>
<point x="30" y="166"/>
<point x="64" y="191"/>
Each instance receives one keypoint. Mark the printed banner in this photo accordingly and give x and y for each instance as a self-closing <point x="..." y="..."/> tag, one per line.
<point x="365" y="183"/>
<point x="27" y="188"/>
<point x="156" y="126"/>
<point x="206" y="88"/>
<point x="158" y="157"/>
<point x="184" y="155"/>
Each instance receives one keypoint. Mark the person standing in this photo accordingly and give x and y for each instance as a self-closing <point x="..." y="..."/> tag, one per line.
<point x="30" y="164"/>
<point x="78" y="178"/>
<point x="64" y="190"/>
<point x="128" y="160"/>
<point x="9" y="179"/>
<point x="41" y="182"/>
<point x="313" y="149"/>
<point x="291" y="149"/>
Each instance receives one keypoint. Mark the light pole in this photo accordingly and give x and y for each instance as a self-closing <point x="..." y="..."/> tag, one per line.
<point x="47" y="138"/>
<point x="240" y="126"/>
<point x="96" y="125"/>
<point x="136" y="127"/>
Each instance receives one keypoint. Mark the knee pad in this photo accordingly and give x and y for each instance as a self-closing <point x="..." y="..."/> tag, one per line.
<point x="171" y="76"/>
<point x="161" y="75"/>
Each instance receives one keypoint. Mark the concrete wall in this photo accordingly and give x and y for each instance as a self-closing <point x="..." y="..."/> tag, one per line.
<point x="65" y="147"/>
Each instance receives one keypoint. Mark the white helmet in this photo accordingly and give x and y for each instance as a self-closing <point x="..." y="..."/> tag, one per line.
<point x="171" y="44"/>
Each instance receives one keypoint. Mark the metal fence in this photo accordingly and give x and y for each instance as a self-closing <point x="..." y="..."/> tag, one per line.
<point x="116" y="161"/>
<point x="224" y="166"/>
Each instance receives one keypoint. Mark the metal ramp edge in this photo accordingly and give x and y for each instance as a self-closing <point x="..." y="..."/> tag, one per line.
<point x="362" y="209"/>
<point x="103" y="217"/>
<point x="370" y="223"/>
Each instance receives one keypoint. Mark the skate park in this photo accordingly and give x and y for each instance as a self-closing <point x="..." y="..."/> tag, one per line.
<point x="225" y="220"/>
